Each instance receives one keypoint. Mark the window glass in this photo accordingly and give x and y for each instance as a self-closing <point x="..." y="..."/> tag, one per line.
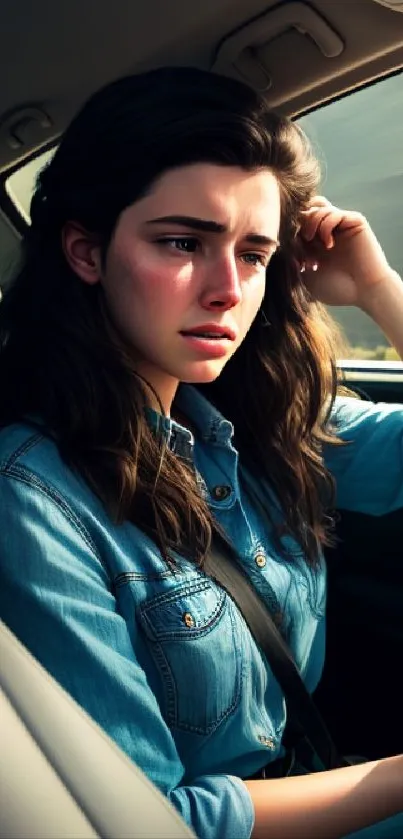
<point x="21" y="184"/>
<point x="360" y="141"/>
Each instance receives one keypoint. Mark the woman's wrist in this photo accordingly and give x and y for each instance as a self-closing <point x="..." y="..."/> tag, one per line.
<point x="396" y="770"/>
<point x="371" y="302"/>
<point x="385" y="306"/>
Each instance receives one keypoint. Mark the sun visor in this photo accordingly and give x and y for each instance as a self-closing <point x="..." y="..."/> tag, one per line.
<point x="394" y="5"/>
<point x="297" y="56"/>
<point x="293" y="26"/>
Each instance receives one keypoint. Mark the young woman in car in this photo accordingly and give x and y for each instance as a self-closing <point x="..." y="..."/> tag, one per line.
<point x="167" y="377"/>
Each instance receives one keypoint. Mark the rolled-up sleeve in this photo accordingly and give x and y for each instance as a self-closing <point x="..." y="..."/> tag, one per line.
<point x="368" y="469"/>
<point x="55" y="595"/>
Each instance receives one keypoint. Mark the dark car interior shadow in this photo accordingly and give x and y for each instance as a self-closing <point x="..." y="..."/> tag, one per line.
<point x="361" y="692"/>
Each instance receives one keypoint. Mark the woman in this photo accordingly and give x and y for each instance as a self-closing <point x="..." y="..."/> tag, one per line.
<point x="168" y="292"/>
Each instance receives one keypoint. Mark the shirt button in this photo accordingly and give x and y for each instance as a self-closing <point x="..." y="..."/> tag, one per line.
<point x="260" y="560"/>
<point x="188" y="619"/>
<point x="266" y="741"/>
<point x="220" y="493"/>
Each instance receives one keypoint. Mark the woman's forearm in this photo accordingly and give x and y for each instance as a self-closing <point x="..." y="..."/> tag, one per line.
<point x="385" y="307"/>
<point x="327" y="805"/>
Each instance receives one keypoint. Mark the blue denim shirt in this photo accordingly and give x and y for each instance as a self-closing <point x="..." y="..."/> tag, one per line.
<point x="163" y="661"/>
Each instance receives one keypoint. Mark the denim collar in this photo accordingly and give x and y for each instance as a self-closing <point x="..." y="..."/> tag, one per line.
<point x="209" y="423"/>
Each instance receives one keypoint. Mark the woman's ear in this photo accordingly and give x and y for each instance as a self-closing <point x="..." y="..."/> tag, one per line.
<point x="82" y="251"/>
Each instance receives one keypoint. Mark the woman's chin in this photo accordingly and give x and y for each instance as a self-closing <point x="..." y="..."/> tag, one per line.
<point x="203" y="373"/>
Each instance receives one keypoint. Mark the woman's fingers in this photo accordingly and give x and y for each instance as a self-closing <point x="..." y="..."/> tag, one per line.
<point x="327" y="227"/>
<point x="319" y="201"/>
<point x="322" y="222"/>
<point x="319" y="224"/>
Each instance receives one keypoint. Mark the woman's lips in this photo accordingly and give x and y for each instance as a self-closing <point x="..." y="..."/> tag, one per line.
<point x="212" y="347"/>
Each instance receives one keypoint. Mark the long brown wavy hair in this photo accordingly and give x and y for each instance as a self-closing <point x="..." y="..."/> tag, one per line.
<point x="62" y="361"/>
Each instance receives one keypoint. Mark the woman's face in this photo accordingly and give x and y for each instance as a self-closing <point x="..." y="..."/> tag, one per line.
<point x="185" y="271"/>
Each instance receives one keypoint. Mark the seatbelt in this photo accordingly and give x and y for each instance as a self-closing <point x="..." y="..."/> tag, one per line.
<point x="303" y="714"/>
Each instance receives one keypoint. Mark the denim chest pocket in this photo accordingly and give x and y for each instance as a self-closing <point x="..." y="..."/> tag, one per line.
<point x="192" y="634"/>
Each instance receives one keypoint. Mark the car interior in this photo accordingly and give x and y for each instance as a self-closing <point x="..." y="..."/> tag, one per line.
<point x="60" y="775"/>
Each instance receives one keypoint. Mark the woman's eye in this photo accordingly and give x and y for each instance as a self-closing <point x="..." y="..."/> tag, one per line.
<point x="256" y="259"/>
<point x="185" y="244"/>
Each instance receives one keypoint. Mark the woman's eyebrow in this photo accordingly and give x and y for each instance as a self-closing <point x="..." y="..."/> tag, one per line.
<point x="207" y="226"/>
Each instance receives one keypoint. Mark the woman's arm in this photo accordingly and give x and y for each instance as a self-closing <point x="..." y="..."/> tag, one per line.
<point x="385" y="307"/>
<point x="328" y="805"/>
<point x="55" y="595"/>
<point x="344" y="265"/>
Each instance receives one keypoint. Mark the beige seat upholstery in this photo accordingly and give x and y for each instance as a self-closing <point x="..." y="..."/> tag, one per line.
<point x="61" y="777"/>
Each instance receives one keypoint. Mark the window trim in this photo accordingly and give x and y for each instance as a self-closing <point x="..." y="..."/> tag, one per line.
<point x="355" y="370"/>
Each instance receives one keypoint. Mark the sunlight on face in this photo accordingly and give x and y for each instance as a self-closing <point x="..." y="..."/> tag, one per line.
<point x="185" y="270"/>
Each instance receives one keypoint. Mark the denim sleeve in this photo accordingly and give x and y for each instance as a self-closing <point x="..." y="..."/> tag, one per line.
<point x="368" y="470"/>
<point x="55" y="596"/>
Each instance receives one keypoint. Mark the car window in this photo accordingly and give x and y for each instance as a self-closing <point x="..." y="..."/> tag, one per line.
<point x="360" y="142"/>
<point x="21" y="184"/>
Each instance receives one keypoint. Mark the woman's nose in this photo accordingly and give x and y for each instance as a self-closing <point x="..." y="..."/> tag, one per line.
<point x="222" y="287"/>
